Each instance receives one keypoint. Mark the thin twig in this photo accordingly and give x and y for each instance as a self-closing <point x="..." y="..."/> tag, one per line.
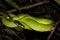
<point x="53" y="29"/>
<point x="1" y="13"/>
<point x="58" y="34"/>
<point x="46" y="0"/>
<point x="33" y="5"/>
<point x="0" y="16"/>
<point x="27" y="7"/>
<point x="36" y="12"/>
<point x="41" y="12"/>
<point x="0" y="24"/>
<point x="31" y="12"/>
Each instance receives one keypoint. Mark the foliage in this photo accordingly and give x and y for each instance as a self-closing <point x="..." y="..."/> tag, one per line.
<point x="49" y="10"/>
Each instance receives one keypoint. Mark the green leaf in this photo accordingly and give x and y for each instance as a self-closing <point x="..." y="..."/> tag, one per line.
<point x="58" y="29"/>
<point x="58" y="1"/>
<point x="1" y="35"/>
<point x="31" y="1"/>
<point x="10" y="31"/>
<point x="20" y="1"/>
<point x="37" y="0"/>
<point x="9" y="38"/>
<point x="13" y="4"/>
<point x="1" y="5"/>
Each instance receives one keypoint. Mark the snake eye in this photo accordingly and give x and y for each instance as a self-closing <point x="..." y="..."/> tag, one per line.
<point x="7" y="17"/>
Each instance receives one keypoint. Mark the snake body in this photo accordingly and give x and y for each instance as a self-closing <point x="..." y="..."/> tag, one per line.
<point x="29" y="22"/>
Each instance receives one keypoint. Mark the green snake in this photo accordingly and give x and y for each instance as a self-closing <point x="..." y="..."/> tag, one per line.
<point x="58" y="2"/>
<point x="28" y="22"/>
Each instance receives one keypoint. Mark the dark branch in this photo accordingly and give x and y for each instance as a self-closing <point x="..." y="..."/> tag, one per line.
<point x="53" y="29"/>
<point x="27" y="7"/>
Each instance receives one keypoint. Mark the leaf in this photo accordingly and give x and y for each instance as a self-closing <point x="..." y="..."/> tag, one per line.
<point x="20" y="1"/>
<point x="1" y="35"/>
<point x="58" y="29"/>
<point x="31" y="1"/>
<point x="13" y="4"/>
<point x="1" y="5"/>
<point x="9" y="38"/>
<point x="37" y="0"/>
<point x="58" y="1"/>
<point x="10" y="31"/>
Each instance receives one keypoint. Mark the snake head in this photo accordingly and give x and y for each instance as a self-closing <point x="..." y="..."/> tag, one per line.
<point x="6" y="21"/>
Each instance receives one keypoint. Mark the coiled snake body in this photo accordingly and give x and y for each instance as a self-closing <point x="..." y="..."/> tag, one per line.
<point x="29" y="22"/>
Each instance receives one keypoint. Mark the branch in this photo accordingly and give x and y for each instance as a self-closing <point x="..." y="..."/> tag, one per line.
<point x="30" y="12"/>
<point x="53" y="29"/>
<point x="27" y="7"/>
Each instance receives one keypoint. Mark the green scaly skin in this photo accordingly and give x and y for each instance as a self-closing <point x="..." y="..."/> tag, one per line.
<point x="30" y="22"/>
<point x="7" y="22"/>
<point x="37" y="24"/>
